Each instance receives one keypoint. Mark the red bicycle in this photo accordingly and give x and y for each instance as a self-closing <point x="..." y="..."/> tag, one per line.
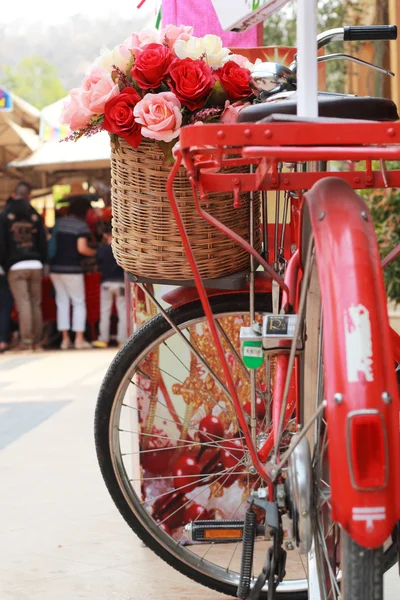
<point x="250" y="433"/>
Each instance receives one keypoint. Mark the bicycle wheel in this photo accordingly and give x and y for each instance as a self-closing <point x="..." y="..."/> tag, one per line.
<point x="349" y="570"/>
<point x="338" y="566"/>
<point x="169" y="447"/>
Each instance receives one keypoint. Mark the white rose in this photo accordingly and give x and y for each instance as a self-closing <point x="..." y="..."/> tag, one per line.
<point x="214" y="51"/>
<point x="209" y="46"/>
<point x="119" y="56"/>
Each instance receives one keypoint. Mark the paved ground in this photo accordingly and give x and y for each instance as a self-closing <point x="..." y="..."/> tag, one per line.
<point x="62" y="538"/>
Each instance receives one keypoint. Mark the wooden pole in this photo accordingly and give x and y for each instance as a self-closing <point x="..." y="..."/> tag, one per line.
<point x="394" y="16"/>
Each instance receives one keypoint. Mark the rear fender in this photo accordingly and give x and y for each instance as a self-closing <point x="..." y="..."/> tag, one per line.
<point x="360" y="383"/>
<point x="184" y="295"/>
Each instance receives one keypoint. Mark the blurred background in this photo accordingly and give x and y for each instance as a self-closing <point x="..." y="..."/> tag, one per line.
<point x="45" y="51"/>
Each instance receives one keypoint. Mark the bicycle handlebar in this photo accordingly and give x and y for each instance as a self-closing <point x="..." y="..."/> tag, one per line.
<point x="353" y="33"/>
<point x="370" y="32"/>
<point x="272" y="78"/>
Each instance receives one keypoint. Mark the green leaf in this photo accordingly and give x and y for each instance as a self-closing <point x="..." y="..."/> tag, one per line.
<point x="218" y="96"/>
<point x="130" y="65"/>
<point x="136" y="86"/>
<point x="166" y="148"/>
<point x="114" y="140"/>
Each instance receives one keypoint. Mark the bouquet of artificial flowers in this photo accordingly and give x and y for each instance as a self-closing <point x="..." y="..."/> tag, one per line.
<point x="156" y="82"/>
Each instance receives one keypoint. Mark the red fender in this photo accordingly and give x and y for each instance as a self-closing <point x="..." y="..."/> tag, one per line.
<point x="363" y="419"/>
<point x="183" y="295"/>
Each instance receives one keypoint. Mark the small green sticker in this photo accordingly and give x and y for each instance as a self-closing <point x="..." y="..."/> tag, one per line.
<point x="253" y="354"/>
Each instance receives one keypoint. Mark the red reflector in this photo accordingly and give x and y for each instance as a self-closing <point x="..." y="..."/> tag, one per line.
<point x="368" y="450"/>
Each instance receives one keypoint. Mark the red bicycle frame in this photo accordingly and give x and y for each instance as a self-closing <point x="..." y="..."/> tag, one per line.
<point x="359" y="346"/>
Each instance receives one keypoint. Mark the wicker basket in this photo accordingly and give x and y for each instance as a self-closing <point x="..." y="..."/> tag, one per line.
<point x="146" y="240"/>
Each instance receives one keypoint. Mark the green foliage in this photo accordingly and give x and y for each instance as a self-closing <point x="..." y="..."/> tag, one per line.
<point x="280" y="30"/>
<point x="35" y="80"/>
<point x="385" y="210"/>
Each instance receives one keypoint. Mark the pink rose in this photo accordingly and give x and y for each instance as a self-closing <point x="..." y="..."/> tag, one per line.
<point x="100" y="87"/>
<point x="171" y="33"/>
<point x="136" y="41"/>
<point x="231" y="111"/>
<point x="239" y="59"/>
<point x="160" y="116"/>
<point x="76" y="114"/>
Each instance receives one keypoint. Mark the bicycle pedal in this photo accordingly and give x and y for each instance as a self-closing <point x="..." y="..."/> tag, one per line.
<point x="217" y="532"/>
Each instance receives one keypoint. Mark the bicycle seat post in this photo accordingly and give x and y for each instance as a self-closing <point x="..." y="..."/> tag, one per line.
<point x="307" y="79"/>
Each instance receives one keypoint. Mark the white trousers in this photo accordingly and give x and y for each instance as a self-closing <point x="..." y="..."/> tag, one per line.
<point x="70" y="289"/>
<point x="109" y="290"/>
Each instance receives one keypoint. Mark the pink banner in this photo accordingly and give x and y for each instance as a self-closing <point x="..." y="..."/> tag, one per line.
<point x="201" y="15"/>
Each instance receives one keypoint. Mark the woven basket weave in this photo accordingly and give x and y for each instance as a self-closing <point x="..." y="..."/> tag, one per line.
<point x="146" y="240"/>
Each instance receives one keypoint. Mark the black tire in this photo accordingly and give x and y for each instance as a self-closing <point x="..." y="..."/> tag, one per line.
<point x="150" y="331"/>
<point x="362" y="571"/>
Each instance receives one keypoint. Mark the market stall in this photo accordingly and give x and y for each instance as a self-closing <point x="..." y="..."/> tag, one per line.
<point x="69" y="168"/>
<point x="19" y="128"/>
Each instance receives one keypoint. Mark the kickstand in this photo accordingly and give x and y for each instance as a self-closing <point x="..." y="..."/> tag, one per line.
<point x="262" y="578"/>
<point x="275" y="560"/>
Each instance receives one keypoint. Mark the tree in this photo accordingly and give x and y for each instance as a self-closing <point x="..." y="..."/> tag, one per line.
<point x="35" y="80"/>
<point x="280" y="29"/>
<point x="385" y="210"/>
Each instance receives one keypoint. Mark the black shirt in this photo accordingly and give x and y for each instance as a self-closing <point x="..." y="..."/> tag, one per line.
<point x="67" y="258"/>
<point x="110" y="271"/>
<point x="22" y="234"/>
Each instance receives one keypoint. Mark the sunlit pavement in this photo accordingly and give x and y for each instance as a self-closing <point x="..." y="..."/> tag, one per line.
<point x="61" y="536"/>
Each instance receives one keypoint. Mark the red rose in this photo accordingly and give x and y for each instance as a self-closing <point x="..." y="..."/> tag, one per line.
<point x="119" y="119"/>
<point x="151" y="65"/>
<point x="191" y="81"/>
<point x="235" y="80"/>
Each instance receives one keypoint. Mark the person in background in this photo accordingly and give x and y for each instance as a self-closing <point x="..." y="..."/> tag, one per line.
<point x="6" y="304"/>
<point x="112" y="286"/>
<point x="23" y="253"/>
<point x="69" y="247"/>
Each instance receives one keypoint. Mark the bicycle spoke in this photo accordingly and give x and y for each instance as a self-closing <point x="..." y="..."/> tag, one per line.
<point x="188" y="370"/>
<point x="227" y="473"/>
<point x="163" y="418"/>
<point x="222" y="480"/>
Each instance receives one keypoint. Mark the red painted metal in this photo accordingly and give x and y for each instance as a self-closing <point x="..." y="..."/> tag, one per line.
<point x="391" y="256"/>
<point x="354" y="304"/>
<point x="291" y="278"/>
<point x="232" y="234"/>
<point x="183" y="295"/>
<point x="339" y="133"/>
<point x="395" y="338"/>
<point x="280" y="379"/>
<point x="295" y="220"/>
<point x="211" y="323"/>
<point x="351" y="288"/>
<point x="217" y="182"/>
<point x="287" y="240"/>
<point x="298" y="153"/>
